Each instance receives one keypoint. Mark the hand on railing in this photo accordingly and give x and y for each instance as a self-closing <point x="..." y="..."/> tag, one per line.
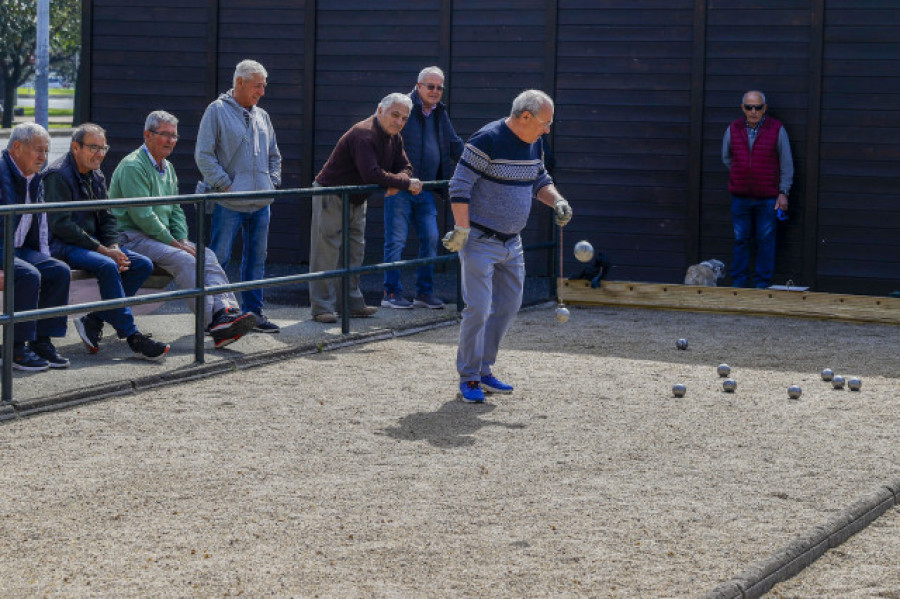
<point x="415" y="186"/>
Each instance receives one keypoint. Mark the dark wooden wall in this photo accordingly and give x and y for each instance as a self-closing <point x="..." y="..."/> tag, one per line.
<point x="644" y="92"/>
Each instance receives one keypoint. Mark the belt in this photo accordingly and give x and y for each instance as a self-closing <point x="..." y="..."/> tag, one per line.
<point x="488" y="232"/>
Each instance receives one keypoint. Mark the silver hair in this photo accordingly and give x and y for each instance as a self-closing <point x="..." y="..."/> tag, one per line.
<point x="753" y="91"/>
<point x="395" y="98"/>
<point x="530" y="100"/>
<point x="246" y="68"/>
<point x="429" y="71"/>
<point x="25" y="134"/>
<point x="157" y="117"/>
<point x="84" y="129"/>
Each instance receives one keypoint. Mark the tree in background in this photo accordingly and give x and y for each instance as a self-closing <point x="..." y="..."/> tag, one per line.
<point x="18" y="35"/>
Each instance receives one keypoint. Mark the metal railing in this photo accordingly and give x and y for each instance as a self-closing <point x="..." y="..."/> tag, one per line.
<point x="10" y="316"/>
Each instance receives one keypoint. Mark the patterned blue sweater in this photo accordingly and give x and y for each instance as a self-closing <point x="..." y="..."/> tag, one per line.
<point x="497" y="176"/>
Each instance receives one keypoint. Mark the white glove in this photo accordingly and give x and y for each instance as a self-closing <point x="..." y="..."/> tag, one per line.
<point x="563" y="212"/>
<point x="455" y="240"/>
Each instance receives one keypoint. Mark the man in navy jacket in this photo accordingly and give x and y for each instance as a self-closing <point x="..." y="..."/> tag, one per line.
<point x="433" y="148"/>
<point x="40" y="280"/>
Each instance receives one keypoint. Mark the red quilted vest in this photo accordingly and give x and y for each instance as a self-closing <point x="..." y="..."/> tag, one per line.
<point x="755" y="174"/>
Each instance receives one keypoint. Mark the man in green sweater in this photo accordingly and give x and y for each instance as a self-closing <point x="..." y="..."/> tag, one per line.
<point x="160" y="232"/>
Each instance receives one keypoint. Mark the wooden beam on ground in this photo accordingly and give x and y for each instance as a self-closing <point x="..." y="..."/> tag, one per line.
<point x="771" y="302"/>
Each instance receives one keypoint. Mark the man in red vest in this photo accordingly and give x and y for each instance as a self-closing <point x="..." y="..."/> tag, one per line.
<point x="757" y="153"/>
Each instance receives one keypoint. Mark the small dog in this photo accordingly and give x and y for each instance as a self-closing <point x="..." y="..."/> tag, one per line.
<point x="596" y="271"/>
<point x="705" y="274"/>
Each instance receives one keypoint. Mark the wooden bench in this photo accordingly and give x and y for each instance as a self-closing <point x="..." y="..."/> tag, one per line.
<point x="83" y="288"/>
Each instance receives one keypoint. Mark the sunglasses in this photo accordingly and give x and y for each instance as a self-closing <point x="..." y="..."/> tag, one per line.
<point x="757" y="107"/>
<point x="431" y="87"/>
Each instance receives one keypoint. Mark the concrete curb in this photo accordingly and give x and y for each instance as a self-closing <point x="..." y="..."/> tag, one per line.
<point x="790" y="560"/>
<point x="31" y="407"/>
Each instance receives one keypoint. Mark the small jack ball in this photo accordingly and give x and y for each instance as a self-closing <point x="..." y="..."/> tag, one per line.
<point x="584" y="251"/>
<point x="723" y="369"/>
<point x="837" y="382"/>
<point x="562" y="314"/>
<point x="794" y="391"/>
<point x="827" y="374"/>
<point x="681" y="344"/>
<point x="854" y="384"/>
<point x="679" y="390"/>
<point x="729" y="385"/>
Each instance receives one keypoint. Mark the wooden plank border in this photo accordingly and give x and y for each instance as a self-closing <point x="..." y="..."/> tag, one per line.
<point x="770" y="302"/>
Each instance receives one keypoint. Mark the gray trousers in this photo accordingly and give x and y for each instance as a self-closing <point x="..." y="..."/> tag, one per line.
<point x="493" y="277"/>
<point x="325" y="252"/>
<point x="182" y="266"/>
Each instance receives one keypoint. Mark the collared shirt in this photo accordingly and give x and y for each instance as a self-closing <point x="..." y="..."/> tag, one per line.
<point x="752" y="131"/>
<point x="25" y="223"/>
<point x="161" y="168"/>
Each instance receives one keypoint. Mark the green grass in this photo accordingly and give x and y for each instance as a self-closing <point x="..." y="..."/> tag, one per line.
<point x="29" y="91"/>
<point x="29" y="111"/>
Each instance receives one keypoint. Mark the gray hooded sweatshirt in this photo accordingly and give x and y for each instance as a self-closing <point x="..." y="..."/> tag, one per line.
<point x="236" y="148"/>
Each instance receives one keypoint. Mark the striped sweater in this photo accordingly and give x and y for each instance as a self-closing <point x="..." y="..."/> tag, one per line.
<point x="497" y="176"/>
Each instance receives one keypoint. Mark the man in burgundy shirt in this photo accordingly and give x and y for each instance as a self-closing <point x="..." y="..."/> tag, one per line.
<point x="757" y="153"/>
<point x="371" y="152"/>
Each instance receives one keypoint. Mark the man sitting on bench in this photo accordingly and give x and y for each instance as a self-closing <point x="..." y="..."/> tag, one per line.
<point x="88" y="240"/>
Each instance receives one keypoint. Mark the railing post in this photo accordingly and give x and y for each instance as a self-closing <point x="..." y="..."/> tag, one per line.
<point x="9" y="291"/>
<point x="200" y="302"/>
<point x="345" y="262"/>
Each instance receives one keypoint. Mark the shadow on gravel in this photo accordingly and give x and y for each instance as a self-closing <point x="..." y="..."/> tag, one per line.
<point x="453" y="425"/>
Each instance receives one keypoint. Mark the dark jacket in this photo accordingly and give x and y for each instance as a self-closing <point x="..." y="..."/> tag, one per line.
<point x="451" y="146"/>
<point x="755" y="173"/>
<point x="366" y="155"/>
<point x="12" y="190"/>
<point x="83" y="228"/>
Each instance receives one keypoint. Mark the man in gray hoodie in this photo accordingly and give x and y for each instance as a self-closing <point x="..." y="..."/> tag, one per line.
<point x="236" y="151"/>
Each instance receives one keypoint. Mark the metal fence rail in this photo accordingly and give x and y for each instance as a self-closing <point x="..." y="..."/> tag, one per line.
<point x="10" y="316"/>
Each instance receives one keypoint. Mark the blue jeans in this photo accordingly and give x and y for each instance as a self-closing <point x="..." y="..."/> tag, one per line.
<point x="753" y="218"/>
<point x="41" y="282"/>
<point x="254" y="227"/>
<point x="399" y="210"/>
<point x="112" y="283"/>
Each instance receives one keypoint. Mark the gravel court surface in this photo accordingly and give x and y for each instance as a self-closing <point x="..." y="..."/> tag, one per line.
<point x="357" y="473"/>
<point x="865" y="566"/>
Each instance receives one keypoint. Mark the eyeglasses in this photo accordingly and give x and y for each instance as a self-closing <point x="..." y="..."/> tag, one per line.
<point x="544" y="125"/>
<point x="172" y="136"/>
<point x="95" y="149"/>
<point x="431" y="87"/>
<point x="756" y="107"/>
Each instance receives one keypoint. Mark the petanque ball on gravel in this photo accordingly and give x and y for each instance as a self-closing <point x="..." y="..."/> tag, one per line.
<point x="584" y="251"/>
<point x="794" y="391"/>
<point x="562" y="314"/>
<point x="827" y="374"/>
<point x="681" y="344"/>
<point x="854" y="384"/>
<point x="729" y="385"/>
<point x="679" y="390"/>
<point x="837" y="382"/>
<point x="723" y="369"/>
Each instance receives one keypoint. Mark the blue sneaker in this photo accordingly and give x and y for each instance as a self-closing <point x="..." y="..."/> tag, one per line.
<point x="492" y="384"/>
<point x="470" y="392"/>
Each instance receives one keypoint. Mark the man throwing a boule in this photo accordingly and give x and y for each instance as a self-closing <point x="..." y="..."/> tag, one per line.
<point x="501" y="169"/>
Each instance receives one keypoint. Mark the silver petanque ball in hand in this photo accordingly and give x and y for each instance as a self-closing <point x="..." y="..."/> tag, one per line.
<point x="679" y="390"/>
<point x="854" y="384"/>
<point x="584" y="251"/>
<point x="837" y="382"/>
<point x="562" y="313"/>
<point x="681" y="344"/>
<point x="794" y="391"/>
<point x="827" y="374"/>
<point x="723" y="369"/>
<point x="729" y="385"/>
